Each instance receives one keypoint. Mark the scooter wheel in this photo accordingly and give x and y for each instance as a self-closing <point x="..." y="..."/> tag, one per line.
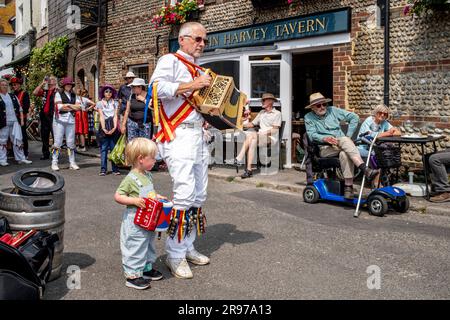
<point x="401" y="206"/>
<point x="310" y="194"/>
<point x="377" y="206"/>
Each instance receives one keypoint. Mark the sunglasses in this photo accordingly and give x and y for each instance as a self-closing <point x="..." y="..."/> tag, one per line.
<point x="199" y="39"/>
<point x="384" y="114"/>
<point x="321" y="105"/>
<point x="108" y="91"/>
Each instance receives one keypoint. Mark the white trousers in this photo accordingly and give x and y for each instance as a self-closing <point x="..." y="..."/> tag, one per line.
<point x="5" y="133"/>
<point x="187" y="158"/>
<point x="61" y="129"/>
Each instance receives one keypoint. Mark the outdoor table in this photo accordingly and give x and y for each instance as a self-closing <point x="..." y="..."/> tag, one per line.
<point x="419" y="140"/>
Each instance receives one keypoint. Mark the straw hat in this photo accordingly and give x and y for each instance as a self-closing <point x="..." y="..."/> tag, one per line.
<point x="130" y="75"/>
<point x="316" y="98"/>
<point x="138" y="82"/>
<point x="268" y="96"/>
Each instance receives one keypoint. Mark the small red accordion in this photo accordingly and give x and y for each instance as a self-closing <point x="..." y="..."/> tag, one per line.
<point x="148" y="218"/>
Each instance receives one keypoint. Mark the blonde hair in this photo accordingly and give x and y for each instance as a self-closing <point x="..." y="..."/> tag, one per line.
<point x="139" y="147"/>
<point x="381" y="108"/>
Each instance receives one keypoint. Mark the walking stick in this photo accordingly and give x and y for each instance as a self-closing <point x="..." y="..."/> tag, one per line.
<point x="356" y="214"/>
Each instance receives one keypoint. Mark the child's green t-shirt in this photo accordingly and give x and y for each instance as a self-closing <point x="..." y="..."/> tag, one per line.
<point x="128" y="187"/>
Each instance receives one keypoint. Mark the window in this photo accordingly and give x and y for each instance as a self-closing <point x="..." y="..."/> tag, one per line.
<point x="225" y="68"/>
<point x="265" y="77"/>
<point x="44" y="13"/>
<point x="141" y="71"/>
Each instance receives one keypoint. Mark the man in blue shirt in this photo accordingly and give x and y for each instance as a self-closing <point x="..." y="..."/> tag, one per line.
<point x="125" y="92"/>
<point x="323" y="126"/>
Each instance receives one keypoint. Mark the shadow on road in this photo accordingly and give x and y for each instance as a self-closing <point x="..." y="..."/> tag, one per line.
<point x="220" y="234"/>
<point x="216" y="235"/>
<point x="58" y="288"/>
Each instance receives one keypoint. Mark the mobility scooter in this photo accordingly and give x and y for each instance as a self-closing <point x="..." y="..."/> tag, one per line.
<point x="329" y="185"/>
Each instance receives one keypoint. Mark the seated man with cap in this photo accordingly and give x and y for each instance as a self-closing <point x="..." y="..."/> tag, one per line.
<point x="323" y="126"/>
<point x="269" y="121"/>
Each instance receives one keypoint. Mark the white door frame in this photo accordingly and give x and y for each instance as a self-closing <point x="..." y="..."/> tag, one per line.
<point x="245" y="82"/>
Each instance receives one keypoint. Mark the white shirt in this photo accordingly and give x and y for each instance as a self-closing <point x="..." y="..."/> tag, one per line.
<point x="170" y="72"/>
<point x="10" y="113"/>
<point x="108" y="107"/>
<point x="267" y="120"/>
<point x="84" y="103"/>
<point x="65" y="117"/>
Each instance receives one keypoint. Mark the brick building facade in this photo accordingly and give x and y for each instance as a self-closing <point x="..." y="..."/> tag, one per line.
<point x="347" y="66"/>
<point x="84" y="53"/>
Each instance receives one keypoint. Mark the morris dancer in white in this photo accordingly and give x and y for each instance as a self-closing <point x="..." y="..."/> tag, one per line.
<point x="182" y="146"/>
<point x="11" y="118"/>
<point x="66" y="104"/>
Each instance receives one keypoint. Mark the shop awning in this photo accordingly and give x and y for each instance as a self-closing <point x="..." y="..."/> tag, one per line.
<point x="16" y="62"/>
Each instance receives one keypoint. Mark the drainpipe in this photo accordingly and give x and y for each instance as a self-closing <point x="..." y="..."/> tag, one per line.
<point x="386" y="53"/>
<point x="31" y="14"/>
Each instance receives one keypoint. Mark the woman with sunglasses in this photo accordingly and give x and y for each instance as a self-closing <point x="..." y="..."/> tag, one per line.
<point x="133" y="118"/>
<point x="108" y="109"/>
<point x="378" y="122"/>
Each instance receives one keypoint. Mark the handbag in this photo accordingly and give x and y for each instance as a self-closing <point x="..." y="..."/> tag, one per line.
<point x="24" y="271"/>
<point x="117" y="155"/>
<point x="39" y="250"/>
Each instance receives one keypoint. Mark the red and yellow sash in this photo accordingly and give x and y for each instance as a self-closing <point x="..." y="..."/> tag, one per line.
<point x="168" y="125"/>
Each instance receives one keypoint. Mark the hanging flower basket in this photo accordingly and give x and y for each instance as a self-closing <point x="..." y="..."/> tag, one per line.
<point x="176" y="14"/>
<point x="420" y="7"/>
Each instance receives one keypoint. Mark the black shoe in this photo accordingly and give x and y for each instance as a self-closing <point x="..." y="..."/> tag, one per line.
<point x="371" y="173"/>
<point x="348" y="192"/>
<point x="153" y="274"/>
<point x="45" y="158"/>
<point x="138" y="283"/>
<point x="247" y="174"/>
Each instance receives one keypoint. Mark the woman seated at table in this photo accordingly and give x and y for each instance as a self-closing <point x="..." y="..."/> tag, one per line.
<point x="378" y="122"/>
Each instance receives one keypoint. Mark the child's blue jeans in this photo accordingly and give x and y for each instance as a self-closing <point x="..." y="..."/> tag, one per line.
<point x="137" y="246"/>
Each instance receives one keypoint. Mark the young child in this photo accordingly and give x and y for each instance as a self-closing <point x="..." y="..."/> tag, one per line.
<point x="137" y="244"/>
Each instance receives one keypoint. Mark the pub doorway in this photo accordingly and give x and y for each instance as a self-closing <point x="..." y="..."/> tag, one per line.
<point x="311" y="72"/>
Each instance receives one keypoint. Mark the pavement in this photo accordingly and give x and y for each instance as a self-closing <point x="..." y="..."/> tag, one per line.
<point x="263" y="243"/>
<point x="294" y="181"/>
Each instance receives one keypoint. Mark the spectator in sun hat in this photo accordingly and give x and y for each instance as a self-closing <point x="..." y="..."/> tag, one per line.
<point x="24" y="100"/>
<point x="67" y="103"/>
<point x="269" y="121"/>
<point x="133" y="118"/>
<point x="108" y="109"/>
<point x="125" y="91"/>
<point x="323" y="126"/>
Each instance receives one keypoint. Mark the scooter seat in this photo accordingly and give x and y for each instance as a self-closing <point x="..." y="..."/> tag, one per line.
<point x="328" y="163"/>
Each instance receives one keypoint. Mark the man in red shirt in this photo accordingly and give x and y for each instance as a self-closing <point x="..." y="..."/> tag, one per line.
<point x="46" y="90"/>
